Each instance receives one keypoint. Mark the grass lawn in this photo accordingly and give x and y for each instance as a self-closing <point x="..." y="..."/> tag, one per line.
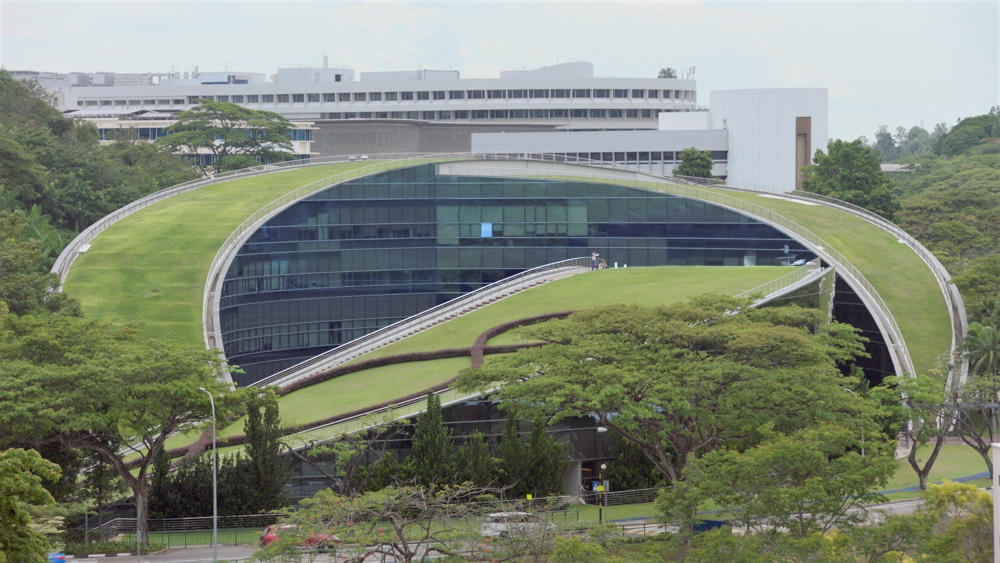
<point x="905" y="283"/>
<point x="641" y="286"/>
<point x="646" y="286"/>
<point x="151" y="266"/>
<point x="360" y="389"/>
<point x="201" y="537"/>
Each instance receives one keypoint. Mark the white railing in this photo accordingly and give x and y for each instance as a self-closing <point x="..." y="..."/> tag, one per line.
<point x="776" y="285"/>
<point x="72" y="250"/>
<point x="423" y="320"/>
<point x="956" y="305"/>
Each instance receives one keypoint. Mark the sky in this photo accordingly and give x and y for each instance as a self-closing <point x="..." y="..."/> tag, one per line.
<point x="885" y="63"/>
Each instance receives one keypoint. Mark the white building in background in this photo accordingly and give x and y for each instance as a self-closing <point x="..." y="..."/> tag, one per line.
<point x="144" y="125"/>
<point x="565" y="95"/>
<point x="759" y="139"/>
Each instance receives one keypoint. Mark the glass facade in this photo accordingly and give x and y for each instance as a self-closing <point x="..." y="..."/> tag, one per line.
<point x="359" y="256"/>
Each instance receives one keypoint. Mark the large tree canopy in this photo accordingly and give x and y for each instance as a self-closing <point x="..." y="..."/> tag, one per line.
<point x="21" y="474"/>
<point x="84" y="385"/>
<point x="685" y="379"/>
<point x="230" y="132"/>
<point x="852" y="172"/>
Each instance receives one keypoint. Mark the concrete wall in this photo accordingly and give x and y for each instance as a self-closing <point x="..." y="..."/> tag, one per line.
<point x="337" y="137"/>
<point x="761" y="126"/>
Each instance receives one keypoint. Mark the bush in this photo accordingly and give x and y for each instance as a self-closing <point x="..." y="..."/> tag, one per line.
<point x="108" y="546"/>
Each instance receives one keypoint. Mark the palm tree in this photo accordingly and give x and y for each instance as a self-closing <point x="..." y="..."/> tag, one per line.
<point x="982" y="348"/>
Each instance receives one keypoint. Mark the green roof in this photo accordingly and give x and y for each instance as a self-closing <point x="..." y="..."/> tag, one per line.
<point x="151" y="267"/>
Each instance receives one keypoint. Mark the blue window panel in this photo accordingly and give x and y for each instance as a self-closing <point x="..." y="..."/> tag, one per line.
<point x="486" y="230"/>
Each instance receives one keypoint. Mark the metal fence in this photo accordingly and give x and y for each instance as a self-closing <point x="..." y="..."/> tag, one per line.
<point x="779" y="284"/>
<point x="199" y="523"/>
<point x="621" y="498"/>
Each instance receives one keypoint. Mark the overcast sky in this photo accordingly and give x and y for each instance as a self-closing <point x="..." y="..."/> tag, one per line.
<point x="892" y="63"/>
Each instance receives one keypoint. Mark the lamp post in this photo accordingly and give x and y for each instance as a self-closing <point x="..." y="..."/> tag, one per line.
<point x="600" y="494"/>
<point x="996" y="502"/>
<point x="215" y="489"/>
<point x="862" y="409"/>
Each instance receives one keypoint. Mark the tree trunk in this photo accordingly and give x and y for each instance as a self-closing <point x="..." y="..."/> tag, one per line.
<point x="141" y="492"/>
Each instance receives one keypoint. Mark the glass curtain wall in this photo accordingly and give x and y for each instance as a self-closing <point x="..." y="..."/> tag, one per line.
<point x="367" y="253"/>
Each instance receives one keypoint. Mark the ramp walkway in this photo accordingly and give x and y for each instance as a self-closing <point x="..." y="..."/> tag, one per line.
<point x="427" y="319"/>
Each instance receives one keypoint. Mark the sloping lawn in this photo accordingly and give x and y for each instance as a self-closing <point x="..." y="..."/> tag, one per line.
<point x="640" y="286"/>
<point x="151" y="266"/>
<point x="905" y="283"/>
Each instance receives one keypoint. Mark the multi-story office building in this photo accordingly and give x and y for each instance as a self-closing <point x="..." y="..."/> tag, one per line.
<point x="566" y="95"/>
<point x="758" y="139"/>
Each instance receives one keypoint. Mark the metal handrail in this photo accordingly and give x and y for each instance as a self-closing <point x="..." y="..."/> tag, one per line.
<point x="778" y="284"/>
<point x="69" y="254"/>
<point x="956" y="305"/>
<point x="413" y="406"/>
<point x="429" y="317"/>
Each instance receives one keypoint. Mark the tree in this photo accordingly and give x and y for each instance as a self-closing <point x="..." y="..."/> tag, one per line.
<point x="230" y="132"/>
<point x="405" y="522"/>
<point x="433" y="450"/>
<point x="269" y="471"/>
<point x="21" y="475"/>
<point x="885" y="144"/>
<point x="939" y="134"/>
<point x="978" y="414"/>
<point x="631" y="468"/>
<point x="851" y="172"/>
<point x="515" y="460"/>
<point x="980" y="285"/>
<point x="927" y="409"/>
<point x="810" y="481"/>
<point x="694" y="163"/>
<point x="25" y="285"/>
<point x="84" y="385"/>
<point x="547" y="461"/>
<point x="354" y="461"/>
<point x="681" y="380"/>
<point x="476" y="461"/>
<point x="668" y="72"/>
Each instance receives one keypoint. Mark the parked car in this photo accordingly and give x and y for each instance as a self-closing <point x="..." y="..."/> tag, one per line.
<point x="504" y="524"/>
<point x="313" y="541"/>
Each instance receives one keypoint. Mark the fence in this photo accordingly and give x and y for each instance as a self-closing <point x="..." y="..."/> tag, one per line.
<point x="785" y="281"/>
<point x="621" y="498"/>
<point x="200" y="523"/>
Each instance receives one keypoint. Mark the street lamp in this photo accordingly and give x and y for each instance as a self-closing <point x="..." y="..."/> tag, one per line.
<point x="600" y="494"/>
<point x="215" y="489"/>
<point x="862" y="409"/>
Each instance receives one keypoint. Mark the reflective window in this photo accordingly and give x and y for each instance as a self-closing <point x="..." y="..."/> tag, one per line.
<point x="374" y="250"/>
